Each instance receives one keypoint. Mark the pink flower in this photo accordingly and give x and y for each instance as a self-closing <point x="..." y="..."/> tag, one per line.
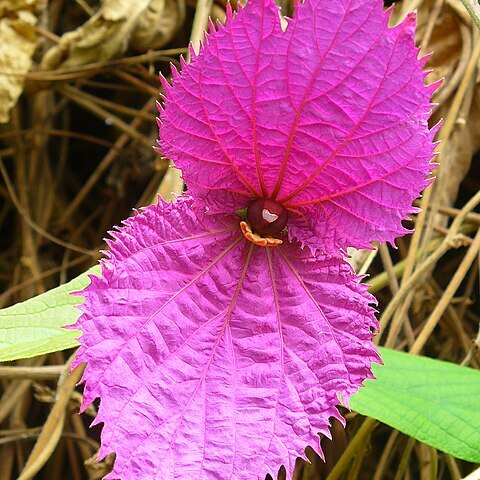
<point x="218" y="345"/>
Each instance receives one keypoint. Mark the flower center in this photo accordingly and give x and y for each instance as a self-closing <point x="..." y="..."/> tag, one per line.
<point x="267" y="217"/>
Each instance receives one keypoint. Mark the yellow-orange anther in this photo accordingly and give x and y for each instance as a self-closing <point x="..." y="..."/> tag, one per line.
<point x="257" y="239"/>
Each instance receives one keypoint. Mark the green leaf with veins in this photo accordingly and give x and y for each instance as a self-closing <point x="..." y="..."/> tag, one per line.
<point x="435" y="402"/>
<point x="34" y="327"/>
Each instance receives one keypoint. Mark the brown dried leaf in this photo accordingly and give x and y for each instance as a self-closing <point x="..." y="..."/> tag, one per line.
<point x="158" y="24"/>
<point x="451" y="44"/>
<point x="446" y="41"/>
<point x="98" y="469"/>
<point x="104" y="36"/>
<point x="458" y="150"/>
<point x="18" y="42"/>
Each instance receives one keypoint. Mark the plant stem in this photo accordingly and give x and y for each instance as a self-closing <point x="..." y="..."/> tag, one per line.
<point x="473" y="11"/>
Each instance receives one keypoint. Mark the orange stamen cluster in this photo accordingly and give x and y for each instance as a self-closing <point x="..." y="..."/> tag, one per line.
<point x="257" y="239"/>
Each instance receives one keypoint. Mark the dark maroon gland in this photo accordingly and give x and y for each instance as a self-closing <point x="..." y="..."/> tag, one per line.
<point x="267" y="217"/>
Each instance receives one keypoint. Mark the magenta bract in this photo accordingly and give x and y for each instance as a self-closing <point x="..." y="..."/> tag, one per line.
<point x="219" y="352"/>
<point x="215" y="358"/>
<point x="329" y="117"/>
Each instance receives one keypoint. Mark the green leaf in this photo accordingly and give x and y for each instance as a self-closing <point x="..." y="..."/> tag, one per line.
<point x="432" y="401"/>
<point x="34" y="327"/>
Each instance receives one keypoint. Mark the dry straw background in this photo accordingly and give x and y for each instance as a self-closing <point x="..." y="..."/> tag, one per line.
<point x="78" y="86"/>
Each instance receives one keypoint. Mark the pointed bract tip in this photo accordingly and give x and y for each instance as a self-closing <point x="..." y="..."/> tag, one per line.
<point x="388" y="13"/>
<point x="211" y="25"/>
<point x="228" y="12"/>
<point x="409" y="24"/>
<point x="434" y="87"/>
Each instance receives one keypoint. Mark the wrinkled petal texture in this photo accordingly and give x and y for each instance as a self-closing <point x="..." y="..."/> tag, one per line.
<point x="214" y="358"/>
<point x="329" y="117"/>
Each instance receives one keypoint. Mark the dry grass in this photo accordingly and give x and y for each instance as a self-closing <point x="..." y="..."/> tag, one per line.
<point x="75" y="158"/>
